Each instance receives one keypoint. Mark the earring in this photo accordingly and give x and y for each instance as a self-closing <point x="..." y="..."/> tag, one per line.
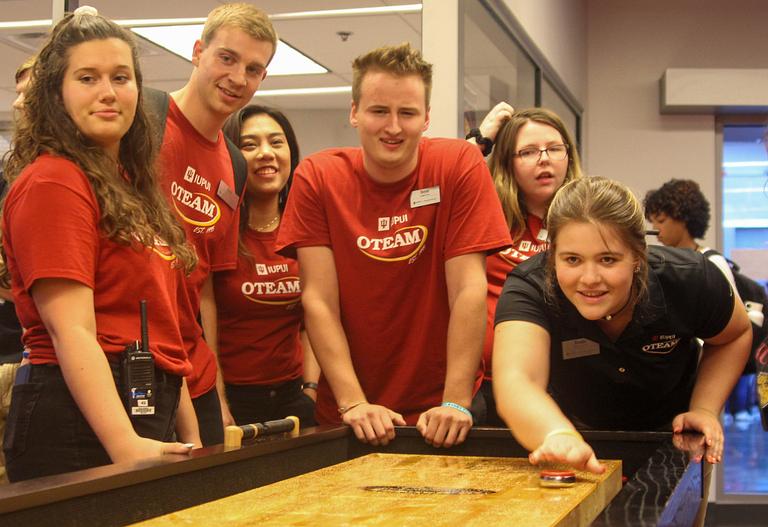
<point x="637" y="269"/>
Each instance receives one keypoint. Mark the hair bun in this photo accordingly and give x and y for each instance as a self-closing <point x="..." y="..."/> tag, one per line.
<point x="86" y="10"/>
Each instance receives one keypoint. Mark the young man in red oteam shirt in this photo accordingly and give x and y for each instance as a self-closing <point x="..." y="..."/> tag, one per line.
<point x="230" y="62"/>
<point x="391" y="240"/>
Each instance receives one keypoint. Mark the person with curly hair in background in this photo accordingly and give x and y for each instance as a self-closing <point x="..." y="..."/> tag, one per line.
<point x="681" y="214"/>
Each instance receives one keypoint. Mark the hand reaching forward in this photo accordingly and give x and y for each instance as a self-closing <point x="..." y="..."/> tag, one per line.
<point x="569" y="450"/>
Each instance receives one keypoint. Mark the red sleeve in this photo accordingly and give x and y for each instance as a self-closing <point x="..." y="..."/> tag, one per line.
<point x="305" y="222"/>
<point x="477" y="221"/>
<point x="52" y="223"/>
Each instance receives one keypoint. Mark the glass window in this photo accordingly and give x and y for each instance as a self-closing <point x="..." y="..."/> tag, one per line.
<point x="745" y="200"/>
<point x="551" y="100"/>
<point x="495" y="67"/>
<point x="745" y="240"/>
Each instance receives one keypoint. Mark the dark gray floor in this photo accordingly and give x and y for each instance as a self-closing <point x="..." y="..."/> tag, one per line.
<point x="736" y="516"/>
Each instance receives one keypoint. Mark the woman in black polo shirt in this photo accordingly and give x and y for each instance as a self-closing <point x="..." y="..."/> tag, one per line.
<point x="609" y="329"/>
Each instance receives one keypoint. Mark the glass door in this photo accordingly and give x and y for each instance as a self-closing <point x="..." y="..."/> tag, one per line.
<point x="743" y="475"/>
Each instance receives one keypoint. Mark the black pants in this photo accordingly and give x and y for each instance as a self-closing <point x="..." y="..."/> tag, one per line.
<point x="209" y="420"/>
<point x="47" y="433"/>
<point x="250" y="403"/>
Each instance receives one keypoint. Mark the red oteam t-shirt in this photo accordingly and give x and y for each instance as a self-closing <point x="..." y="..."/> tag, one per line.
<point x="260" y="315"/>
<point x="390" y="244"/>
<point x="51" y="230"/>
<point x="192" y="170"/>
<point x="533" y="241"/>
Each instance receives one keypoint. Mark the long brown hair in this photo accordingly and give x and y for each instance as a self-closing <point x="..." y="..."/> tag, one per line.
<point x="503" y="174"/>
<point x="126" y="188"/>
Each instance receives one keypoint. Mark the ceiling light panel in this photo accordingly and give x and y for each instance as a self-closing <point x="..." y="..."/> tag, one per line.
<point x="181" y="39"/>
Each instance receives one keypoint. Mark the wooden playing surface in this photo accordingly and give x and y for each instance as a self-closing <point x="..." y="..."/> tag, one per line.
<point x="400" y="489"/>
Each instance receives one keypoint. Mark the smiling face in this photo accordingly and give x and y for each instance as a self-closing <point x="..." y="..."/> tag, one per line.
<point x="229" y="70"/>
<point x="264" y="145"/>
<point x="390" y="119"/>
<point x="595" y="270"/>
<point x="538" y="182"/>
<point x="99" y="91"/>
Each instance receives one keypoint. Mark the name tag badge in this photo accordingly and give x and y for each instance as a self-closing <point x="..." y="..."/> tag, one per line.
<point x="425" y="196"/>
<point x="543" y="235"/>
<point x="228" y="195"/>
<point x="573" y="349"/>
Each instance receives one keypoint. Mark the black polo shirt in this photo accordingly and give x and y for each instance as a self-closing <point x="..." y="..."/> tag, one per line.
<point x="644" y="379"/>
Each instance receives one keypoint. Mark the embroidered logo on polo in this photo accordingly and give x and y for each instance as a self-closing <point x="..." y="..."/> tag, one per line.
<point x="662" y="344"/>
<point x="268" y="292"/>
<point x="196" y="208"/>
<point x="404" y="244"/>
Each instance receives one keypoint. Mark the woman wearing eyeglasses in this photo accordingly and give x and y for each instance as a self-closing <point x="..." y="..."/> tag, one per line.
<point x="534" y="155"/>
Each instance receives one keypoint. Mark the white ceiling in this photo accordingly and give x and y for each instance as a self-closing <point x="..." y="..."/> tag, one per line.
<point x="316" y="37"/>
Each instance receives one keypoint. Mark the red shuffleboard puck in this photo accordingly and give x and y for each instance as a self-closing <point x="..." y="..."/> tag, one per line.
<point x="557" y="478"/>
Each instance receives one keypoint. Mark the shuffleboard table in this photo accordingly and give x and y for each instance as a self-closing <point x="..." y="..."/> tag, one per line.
<point x="663" y="477"/>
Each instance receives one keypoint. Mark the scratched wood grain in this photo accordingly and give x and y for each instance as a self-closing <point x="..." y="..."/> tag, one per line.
<point x="397" y="489"/>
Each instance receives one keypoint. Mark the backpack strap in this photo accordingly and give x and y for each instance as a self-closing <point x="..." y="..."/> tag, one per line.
<point x="733" y="265"/>
<point x="239" y="166"/>
<point x="158" y="102"/>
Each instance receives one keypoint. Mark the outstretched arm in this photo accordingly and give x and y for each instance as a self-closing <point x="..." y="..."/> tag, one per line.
<point x="520" y="376"/>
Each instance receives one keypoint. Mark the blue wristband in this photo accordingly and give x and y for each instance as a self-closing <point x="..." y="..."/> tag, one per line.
<point x="25" y="354"/>
<point x="457" y="407"/>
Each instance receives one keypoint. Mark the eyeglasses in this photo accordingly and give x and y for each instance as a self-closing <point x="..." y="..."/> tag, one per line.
<point x="532" y="156"/>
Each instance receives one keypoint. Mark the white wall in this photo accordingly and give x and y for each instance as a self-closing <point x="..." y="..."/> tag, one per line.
<point x="559" y="30"/>
<point x="320" y="129"/>
<point x="630" y="44"/>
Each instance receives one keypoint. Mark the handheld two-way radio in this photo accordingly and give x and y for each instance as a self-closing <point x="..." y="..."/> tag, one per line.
<point x="139" y="372"/>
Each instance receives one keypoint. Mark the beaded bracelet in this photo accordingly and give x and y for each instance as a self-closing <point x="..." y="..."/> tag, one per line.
<point x="563" y="431"/>
<point x="345" y="409"/>
<point x="457" y="407"/>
